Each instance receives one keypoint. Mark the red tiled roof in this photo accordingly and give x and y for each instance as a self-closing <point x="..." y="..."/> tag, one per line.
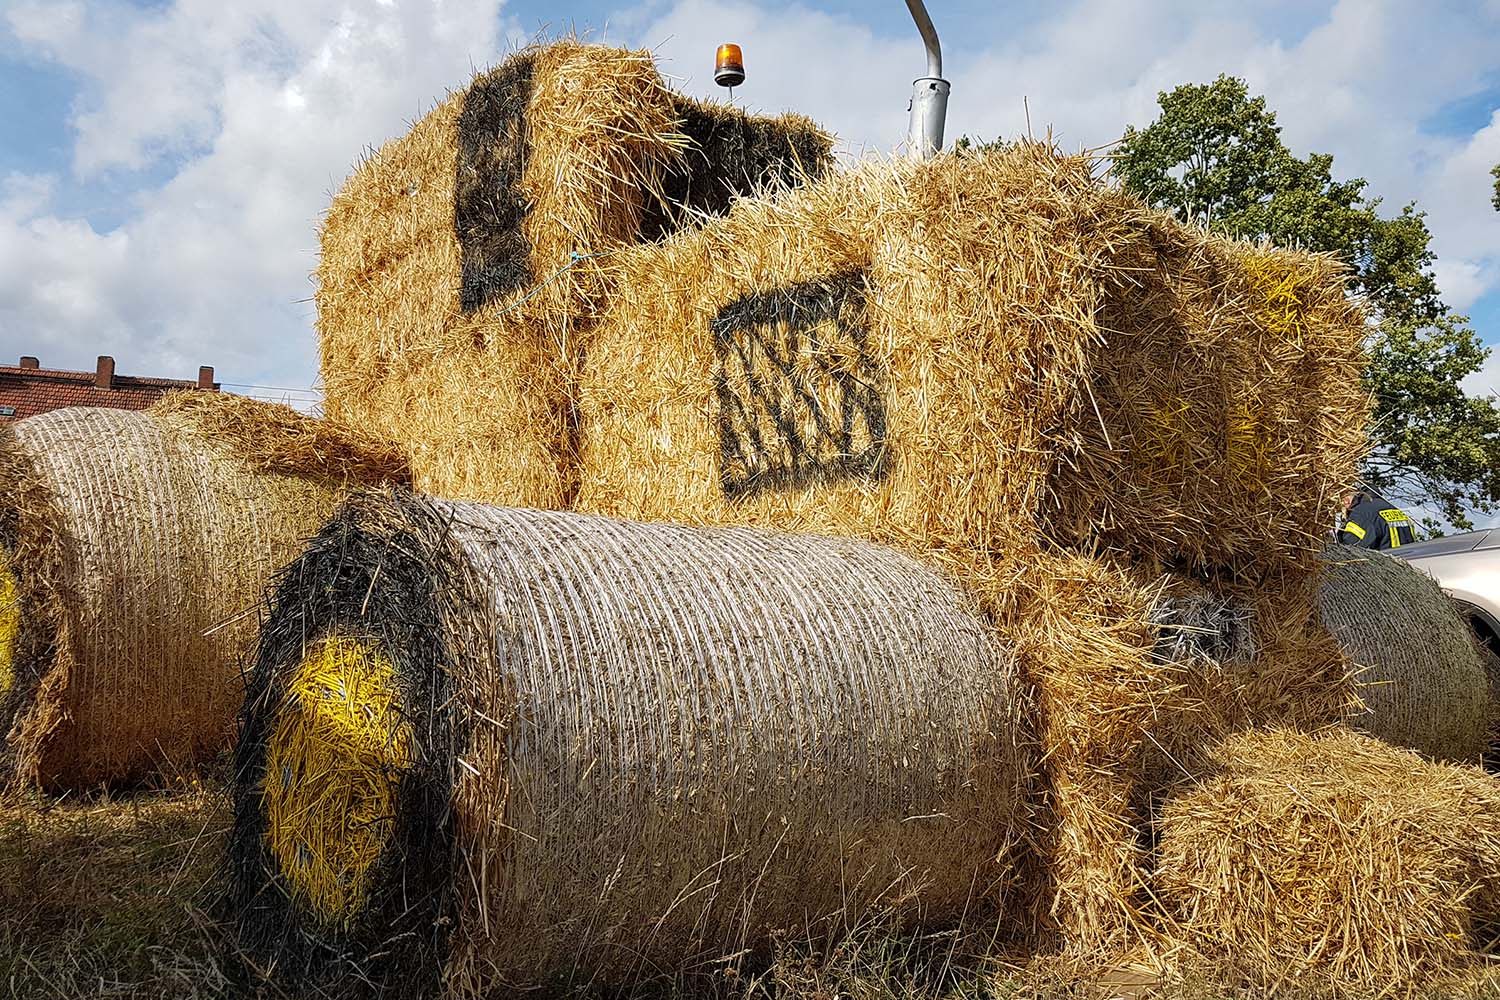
<point x="29" y="391"/>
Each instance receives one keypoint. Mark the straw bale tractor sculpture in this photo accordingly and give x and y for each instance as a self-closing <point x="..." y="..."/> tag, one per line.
<point x="733" y="542"/>
<point x="568" y="288"/>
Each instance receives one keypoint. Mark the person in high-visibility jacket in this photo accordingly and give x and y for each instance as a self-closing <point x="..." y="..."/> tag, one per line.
<point x="1374" y="523"/>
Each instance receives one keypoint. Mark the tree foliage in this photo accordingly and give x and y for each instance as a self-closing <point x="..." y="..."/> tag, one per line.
<point x="1496" y="173"/>
<point x="1215" y="156"/>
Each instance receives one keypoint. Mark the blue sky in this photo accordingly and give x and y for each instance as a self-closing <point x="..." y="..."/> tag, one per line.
<point x="164" y="164"/>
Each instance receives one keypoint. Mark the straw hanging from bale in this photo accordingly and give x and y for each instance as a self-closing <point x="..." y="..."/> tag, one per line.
<point x="450" y="292"/>
<point x="1331" y="862"/>
<point x="493" y="747"/>
<point x="137" y="545"/>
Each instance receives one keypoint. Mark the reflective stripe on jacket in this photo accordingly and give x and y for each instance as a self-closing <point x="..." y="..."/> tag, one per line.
<point x="1375" y="524"/>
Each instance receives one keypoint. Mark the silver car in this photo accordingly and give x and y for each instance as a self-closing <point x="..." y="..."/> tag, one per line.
<point x="1467" y="566"/>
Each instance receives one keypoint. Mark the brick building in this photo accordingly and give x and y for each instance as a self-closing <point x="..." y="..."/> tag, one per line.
<point x="28" y="388"/>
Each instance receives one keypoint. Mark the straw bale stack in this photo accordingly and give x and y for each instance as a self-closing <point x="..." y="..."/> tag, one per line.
<point x="449" y="303"/>
<point x="1331" y="861"/>
<point x="994" y="361"/>
<point x="493" y="747"/>
<point x="1421" y="672"/>
<point x="1131" y="687"/>
<point x="971" y="353"/>
<point x="137" y="545"/>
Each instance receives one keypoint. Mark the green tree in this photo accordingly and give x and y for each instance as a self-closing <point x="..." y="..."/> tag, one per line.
<point x="1215" y="156"/>
<point x="1496" y="173"/>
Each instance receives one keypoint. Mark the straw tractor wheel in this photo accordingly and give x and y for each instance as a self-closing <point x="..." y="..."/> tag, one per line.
<point x="333" y="763"/>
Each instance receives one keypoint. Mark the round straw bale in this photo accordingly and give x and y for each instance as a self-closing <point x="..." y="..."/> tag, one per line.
<point x="1419" y="669"/>
<point x="136" y="546"/>
<point x="1330" y="860"/>
<point x="488" y="746"/>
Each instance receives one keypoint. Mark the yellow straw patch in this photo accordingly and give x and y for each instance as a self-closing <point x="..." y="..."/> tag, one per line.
<point x="333" y="768"/>
<point x="1282" y="289"/>
<point x="1247" y="452"/>
<point x="10" y="622"/>
<point x="1164" y="436"/>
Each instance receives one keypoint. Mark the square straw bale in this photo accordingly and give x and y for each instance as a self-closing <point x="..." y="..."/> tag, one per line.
<point x="1330" y="860"/>
<point x="974" y="351"/>
<point x="1230" y="414"/>
<point x="461" y="239"/>
<point x="881" y="354"/>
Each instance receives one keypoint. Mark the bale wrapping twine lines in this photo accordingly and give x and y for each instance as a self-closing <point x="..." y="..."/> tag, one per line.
<point x="595" y="750"/>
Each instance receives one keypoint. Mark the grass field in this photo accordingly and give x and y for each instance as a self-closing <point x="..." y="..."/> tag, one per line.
<point x="112" y="898"/>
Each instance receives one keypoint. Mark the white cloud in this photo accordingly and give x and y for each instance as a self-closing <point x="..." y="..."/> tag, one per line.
<point x="1486" y="381"/>
<point x="57" y="276"/>
<point x="1456" y="194"/>
<point x="261" y="107"/>
<point x="253" y="112"/>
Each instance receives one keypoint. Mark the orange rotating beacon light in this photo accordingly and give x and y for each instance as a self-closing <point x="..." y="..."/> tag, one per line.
<point x="729" y="67"/>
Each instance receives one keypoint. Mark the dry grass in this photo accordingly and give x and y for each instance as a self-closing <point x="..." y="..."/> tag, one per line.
<point x="110" y="898"/>
<point x="878" y="963"/>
